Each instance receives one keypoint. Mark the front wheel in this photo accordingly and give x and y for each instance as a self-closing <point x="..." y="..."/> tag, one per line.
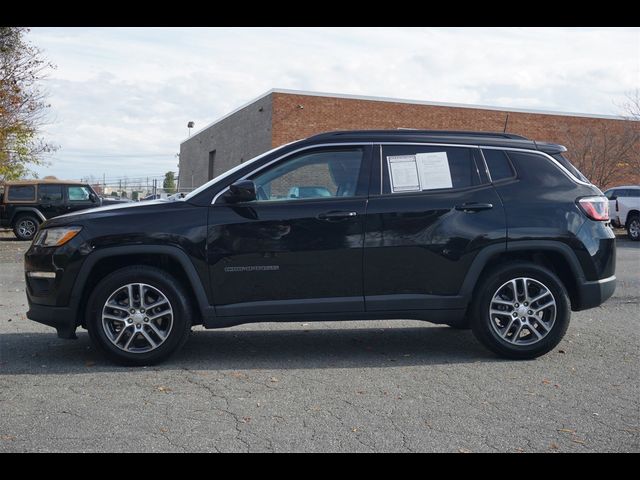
<point x="521" y="311"/>
<point x="633" y="228"/>
<point x="139" y="315"/>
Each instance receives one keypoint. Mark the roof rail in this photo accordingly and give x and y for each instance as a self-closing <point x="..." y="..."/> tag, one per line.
<point x="409" y="131"/>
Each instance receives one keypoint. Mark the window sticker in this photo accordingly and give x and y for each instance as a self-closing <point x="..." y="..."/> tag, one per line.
<point x="423" y="171"/>
<point x="434" y="170"/>
<point x="403" y="173"/>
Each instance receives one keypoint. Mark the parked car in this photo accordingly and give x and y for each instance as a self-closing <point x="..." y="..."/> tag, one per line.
<point x="624" y="205"/>
<point x="483" y="230"/>
<point x="104" y="201"/>
<point x="155" y="196"/>
<point x="25" y="204"/>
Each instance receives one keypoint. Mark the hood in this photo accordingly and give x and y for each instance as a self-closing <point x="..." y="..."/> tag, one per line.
<point x="108" y="211"/>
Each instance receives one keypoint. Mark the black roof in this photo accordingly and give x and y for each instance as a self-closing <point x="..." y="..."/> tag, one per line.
<point x="441" y="136"/>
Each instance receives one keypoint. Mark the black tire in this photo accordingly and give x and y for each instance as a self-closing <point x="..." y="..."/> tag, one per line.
<point x="26" y="226"/>
<point x="633" y="227"/>
<point x="481" y="321"/>
<point x="169" y="286"/>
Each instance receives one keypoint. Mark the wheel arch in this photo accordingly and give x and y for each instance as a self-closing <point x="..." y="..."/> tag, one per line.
<point x="555" y="256"/>
<point x="20" y="211"/>
<point x="171" y="259"/>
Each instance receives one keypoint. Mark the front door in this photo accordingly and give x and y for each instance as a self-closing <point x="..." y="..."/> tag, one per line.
<point x="297" y="248"/>
<point x="79" y="198"/>
<point x="432" y="211"/>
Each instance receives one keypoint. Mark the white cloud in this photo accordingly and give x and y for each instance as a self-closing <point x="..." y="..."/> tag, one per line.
<point x="129" y="92"/>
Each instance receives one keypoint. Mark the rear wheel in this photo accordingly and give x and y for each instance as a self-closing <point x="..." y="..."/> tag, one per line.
<point x="521" y="311"/>
<point x="633" y="228"/>
<point x="139" y="315"/>
<point x="25" y="227"/>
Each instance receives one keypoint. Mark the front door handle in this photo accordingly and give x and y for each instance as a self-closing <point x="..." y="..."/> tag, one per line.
<point x="473" y="207"/>
<point x="336" y="216"/>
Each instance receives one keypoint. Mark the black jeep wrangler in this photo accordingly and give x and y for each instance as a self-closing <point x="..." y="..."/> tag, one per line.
<point x="489" y="231"/>
<point x="25" y="204"/>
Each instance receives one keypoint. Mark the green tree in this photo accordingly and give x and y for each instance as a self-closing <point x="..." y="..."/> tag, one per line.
<point x="23" y="105"/>
<point x="169" y="183"/>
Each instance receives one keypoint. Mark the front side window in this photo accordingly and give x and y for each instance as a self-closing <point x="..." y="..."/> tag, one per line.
<point x="50" y="193"/>
<point x="417" y="168"/>
<point x="78" y="193"/>
<point x="313" y="175"/>
<point x="22" y="193"/>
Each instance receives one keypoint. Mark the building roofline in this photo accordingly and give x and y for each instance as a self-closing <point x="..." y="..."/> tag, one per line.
<point x="442" y="104"/>
<point x="408" y="101"/>
<point x="218" y="120"/>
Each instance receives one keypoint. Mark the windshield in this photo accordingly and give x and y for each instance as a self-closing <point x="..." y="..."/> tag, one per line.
<point x="201" y="188"/>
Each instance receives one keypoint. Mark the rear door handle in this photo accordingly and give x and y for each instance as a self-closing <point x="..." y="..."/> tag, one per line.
<point x="335" y="216"/>
<point x="474" y="207"/>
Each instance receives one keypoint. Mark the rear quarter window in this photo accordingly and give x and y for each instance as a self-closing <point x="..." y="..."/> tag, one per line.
<point x="21" y="193"/>
<point x="498" y="164"/>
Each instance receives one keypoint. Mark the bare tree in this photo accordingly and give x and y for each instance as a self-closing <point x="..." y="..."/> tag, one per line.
<point x="608" y="153"/>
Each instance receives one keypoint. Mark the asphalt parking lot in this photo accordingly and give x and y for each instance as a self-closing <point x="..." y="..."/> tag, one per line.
<point x="351" y="386"/>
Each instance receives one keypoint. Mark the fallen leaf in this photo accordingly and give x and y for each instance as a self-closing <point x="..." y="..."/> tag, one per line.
<point x="553" y="446"/>
<point x="520" y="450"/>
<point x="164" y="430"/>
<point x="354" y="429"/>
<point x="546" y="382"/>
<point x="274" y="380"/>
<point x="238" y="375"/>
<point x="163" y="389"/>
<point x="246" y="419"/>
<point x="561" y="351"/>
<point x="566" y="430"/>
<point x="8" y="438"/>
<point x="576" y="440"/>
<point x="464" y="450"/>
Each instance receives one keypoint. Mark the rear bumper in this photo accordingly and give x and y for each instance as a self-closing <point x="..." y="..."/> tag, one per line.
<point x="592" y="294"/>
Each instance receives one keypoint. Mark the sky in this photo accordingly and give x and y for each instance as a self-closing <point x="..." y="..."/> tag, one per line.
<point x="121" y="97"/>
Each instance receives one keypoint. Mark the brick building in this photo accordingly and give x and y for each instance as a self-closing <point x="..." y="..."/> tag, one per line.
<point x="282" y="116"/>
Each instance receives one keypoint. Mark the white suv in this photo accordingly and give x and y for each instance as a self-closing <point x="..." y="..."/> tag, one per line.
<point x="624" y="208"/>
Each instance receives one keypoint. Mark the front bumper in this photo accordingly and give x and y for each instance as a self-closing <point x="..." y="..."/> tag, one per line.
<point x="592" y="294"/>
<point x="63" y="319"/>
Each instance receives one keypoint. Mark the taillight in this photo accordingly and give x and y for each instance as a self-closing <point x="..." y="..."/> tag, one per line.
<point x="596" y="208"/>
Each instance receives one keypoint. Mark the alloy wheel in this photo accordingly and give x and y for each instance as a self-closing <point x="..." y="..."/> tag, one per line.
<point x="137" y="318"/>
<point x="522" y="311"/>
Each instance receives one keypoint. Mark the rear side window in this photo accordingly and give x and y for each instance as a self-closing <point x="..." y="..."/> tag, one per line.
<point x="630" y="192"/>
<point x="22" y="193"/>
<point x="50" y="193"/>
<point x="498" y="164"/>
<point x="416" y="168"/>
<point x="569" y="166"/>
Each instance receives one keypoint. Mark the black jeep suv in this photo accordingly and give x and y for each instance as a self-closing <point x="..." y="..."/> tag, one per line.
<point x="25" y="204"/>
<point x="489" y="231"/>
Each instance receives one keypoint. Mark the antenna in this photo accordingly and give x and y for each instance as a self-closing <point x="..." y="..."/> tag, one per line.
<point x="505" y="124"/>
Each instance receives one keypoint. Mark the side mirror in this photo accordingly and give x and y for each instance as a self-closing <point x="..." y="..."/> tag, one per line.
<point x="94" y="198"/>
<point x="242" y="191"/>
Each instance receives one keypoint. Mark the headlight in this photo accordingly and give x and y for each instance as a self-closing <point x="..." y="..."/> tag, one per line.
<point x="55" y="237"/>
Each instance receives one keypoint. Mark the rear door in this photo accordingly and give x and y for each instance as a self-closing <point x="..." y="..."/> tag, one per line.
<point x="433" y="212"/>
<point x="51" y="200"/>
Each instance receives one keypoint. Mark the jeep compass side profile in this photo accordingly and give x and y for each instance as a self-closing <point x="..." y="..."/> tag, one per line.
<point x="483" y="230"/>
